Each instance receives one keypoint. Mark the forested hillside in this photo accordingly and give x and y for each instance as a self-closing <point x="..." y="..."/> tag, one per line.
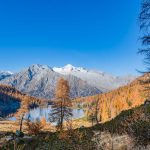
<point x="10" y="100"/>
<point x="112" y="103"/>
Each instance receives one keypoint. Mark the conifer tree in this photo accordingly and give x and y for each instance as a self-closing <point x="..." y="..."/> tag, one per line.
<point x="22" y="112"/>
<point x="145" y="40"/>
<point x="61" y="109"/>
<point x="145" y="32"/>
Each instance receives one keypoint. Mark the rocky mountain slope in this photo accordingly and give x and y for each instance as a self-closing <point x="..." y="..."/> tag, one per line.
<point x="5" y="74"/>
<point x="40" y="81"/>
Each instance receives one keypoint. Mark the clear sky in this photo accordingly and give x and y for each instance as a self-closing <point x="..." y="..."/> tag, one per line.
<point x="96" y="34"/>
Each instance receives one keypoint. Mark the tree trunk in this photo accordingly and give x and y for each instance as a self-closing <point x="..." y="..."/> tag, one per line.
<point x="21" y="122"/>
<point x="61" y="117"/>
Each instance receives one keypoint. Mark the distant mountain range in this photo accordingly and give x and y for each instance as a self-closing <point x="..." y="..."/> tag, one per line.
<point x="40" y="80"/>
<point x="101" y="80"/>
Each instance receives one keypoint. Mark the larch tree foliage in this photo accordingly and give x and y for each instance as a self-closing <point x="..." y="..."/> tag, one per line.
<point x="22" y="112"/>
<point x="145" y="40"/>
<point x="94" y="110"/>
<point x="61" y="109"/>
<point x="97" y="109"/>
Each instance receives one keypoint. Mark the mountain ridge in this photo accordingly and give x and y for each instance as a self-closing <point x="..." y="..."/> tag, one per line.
<point x="101" y="80"/>
<point x="40" y="81"/>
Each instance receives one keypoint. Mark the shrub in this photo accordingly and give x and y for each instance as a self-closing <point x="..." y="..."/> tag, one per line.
<point x="69" y="139"/>
<point x="140" y="131"/>
<point x="34" y="128"/>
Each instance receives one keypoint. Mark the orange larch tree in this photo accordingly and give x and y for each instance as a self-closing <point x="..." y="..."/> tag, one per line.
<point x="61" y="109"/>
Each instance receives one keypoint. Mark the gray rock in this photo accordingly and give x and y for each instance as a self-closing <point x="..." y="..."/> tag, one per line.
<point x="40" y="81"/>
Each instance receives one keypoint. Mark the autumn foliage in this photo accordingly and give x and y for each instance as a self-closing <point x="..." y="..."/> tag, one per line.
<point x="114" y="102"/>
<point x="61" y="109"/>
<point x="34" y="128"/>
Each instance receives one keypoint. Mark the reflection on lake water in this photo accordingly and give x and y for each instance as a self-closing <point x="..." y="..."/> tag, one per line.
<point x="38" y="113"/>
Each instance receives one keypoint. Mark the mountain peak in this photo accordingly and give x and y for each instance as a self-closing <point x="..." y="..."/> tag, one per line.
<point x="39" y="67"/>
<point x="69" y="65"/>
<point x="4" y="74"/>
<point x="69" y="68"/>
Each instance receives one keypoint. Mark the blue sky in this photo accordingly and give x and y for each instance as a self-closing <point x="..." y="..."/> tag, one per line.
<point x="96" y="34"/>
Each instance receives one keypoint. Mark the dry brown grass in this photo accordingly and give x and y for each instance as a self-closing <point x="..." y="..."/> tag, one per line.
<point x="8" y="126"/>
<point x="12" y="126"/>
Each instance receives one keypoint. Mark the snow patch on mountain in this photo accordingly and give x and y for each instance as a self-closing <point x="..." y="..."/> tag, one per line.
<point x="99" y="79"/>
<point x="5" y="74"/>
<point x="68" y="69"/>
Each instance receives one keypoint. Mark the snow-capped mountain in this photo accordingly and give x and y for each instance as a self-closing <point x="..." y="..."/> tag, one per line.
<point x="103" y="81"/>
<point x="5" y="74"/>
<point x="40" y="81"/>
<point x="69" y="69"/>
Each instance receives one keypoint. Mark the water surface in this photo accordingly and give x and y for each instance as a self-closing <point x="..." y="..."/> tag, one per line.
<point x="38" y="113"/>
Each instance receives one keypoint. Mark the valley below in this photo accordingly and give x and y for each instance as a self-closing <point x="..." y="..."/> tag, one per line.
<point x="101" y="118"/>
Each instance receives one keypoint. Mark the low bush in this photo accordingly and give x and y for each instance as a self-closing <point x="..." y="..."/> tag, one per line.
<point x="140" y="131"/>
<point x="34" y="128"/>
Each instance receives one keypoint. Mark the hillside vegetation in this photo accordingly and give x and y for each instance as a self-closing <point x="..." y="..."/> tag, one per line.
<point x="112" y="103"/>
<point x="11" y="99"/>
<point x="129" y="130"/>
